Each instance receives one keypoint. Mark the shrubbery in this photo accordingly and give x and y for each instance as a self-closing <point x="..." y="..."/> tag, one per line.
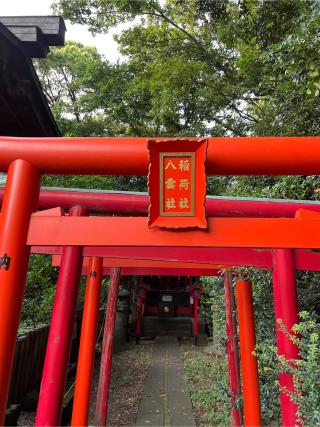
<point x="305" y="371"/>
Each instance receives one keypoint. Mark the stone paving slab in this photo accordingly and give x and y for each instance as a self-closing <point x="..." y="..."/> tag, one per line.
<point x="151" y="404"/>
<point x="183" y="420"/>
<point x="166" y="400"/>
<point x="176" y="381"/>
<point x="149" y="420"/>
<point x="180" y="401"/>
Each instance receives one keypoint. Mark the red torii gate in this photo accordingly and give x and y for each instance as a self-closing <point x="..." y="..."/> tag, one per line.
<point x="269" y="208"/>
<point x="270" y="156"/>
<point x="253" y="391"/>
<point x="249" y="364"/>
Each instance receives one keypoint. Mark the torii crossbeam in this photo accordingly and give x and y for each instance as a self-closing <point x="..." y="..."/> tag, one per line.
<point x="26" y="159"/>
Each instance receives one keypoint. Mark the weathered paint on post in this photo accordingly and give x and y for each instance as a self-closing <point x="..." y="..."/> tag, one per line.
<point x="233" y="351"/>
<point x="286" y="309"/>
<point x="20" y="200"/>
<point x="249" y="365"/>
<point x="60" y="335"/>
<point x="106" y="357"/>
<point x="81" y="402"/>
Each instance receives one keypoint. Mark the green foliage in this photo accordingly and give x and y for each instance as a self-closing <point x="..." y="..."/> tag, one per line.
<point x="121" y="183"/>
<point x="90" y="97"/>
<point x="65" y="76"/>
<point x="308" y="291"/>
<point x="40" y="290"/>
<point x="212" y="304"/>
<point x="246" y="67"/>
<point x="268" y="380"/>
<point x="305" y="371"/>
<point x="208" y="384"/>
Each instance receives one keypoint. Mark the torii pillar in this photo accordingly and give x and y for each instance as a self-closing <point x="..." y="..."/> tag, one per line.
<point x="286" y="309"/>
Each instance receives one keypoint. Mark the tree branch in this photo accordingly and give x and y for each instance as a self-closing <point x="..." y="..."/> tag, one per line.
<point x="190" y="36"/>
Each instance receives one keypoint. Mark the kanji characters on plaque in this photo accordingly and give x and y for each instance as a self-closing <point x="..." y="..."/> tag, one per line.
<point x="177" y="189"/>
<point x="177" y="183"/>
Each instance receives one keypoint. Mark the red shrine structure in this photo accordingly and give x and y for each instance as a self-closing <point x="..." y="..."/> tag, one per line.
<point x="168" y="306"/>
<point x="284" y="236"/>
<point x="174" y="232"/>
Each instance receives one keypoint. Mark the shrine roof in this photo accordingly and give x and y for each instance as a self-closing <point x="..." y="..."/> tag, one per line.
<point x="24" y="109"/>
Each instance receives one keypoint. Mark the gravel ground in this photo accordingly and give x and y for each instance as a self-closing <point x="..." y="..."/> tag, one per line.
<point x="129" y="370"/>
<point x="26" y="419"/>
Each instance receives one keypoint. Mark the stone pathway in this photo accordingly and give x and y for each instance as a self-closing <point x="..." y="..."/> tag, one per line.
<point x="166" y="400"/>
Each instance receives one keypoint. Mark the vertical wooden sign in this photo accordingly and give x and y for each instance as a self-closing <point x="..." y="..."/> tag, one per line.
<point x="177" y="183"/>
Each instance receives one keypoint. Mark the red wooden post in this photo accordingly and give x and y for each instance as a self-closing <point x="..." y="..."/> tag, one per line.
<point x="141" y="293"/>
<point x="195" y="293"/>
<point x="232" y="350"/>
<point x="20" y="200"/>
<point x="195" y="319"/>
<point x="87" y="344"/>
<point x="106" y="358"/>
<point x="60" y="335"/>
<point x="249" y="365"/>
<point x="286" y="309"/>
<point x="139" y="318"/>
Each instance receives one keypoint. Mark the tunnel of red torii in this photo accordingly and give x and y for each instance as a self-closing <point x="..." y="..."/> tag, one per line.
<point x="283" y="241"/>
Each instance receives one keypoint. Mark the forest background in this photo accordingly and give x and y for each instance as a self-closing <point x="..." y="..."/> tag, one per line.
<point x="200" y="68"/>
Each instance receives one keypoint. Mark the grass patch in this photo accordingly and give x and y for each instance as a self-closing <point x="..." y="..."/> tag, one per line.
<point x="207" y="377"/>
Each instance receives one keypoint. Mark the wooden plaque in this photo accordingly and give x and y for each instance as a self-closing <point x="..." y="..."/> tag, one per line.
<point x="177" y="183"/>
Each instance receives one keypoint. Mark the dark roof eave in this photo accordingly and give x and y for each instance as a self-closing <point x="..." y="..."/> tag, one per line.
<point x="50" y="128"/>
